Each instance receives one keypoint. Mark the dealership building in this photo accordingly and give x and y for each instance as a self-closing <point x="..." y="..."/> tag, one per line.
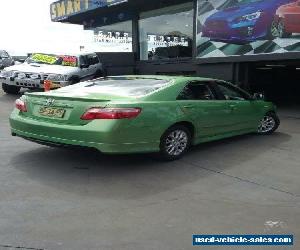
<point x="252" y="43"/>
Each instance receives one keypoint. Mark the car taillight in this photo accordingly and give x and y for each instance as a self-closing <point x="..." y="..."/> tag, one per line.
<point x="21" y="105"/>
<point x="110" y="113"/>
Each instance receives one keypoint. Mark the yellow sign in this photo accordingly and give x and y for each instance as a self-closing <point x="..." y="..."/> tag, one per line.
<point x="65" y="8"/>
<point x="44" y="58"/>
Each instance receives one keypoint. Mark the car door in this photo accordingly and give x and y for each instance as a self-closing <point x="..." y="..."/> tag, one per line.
<point x="244" y="113"/>
<point x="200" y="104"/>
<point x="84" y="67"/>
<point x="93" y="62"/>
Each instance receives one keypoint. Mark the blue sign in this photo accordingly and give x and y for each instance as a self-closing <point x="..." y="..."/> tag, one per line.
<point x="63" y="9"/>
<point x="243" y="240"/>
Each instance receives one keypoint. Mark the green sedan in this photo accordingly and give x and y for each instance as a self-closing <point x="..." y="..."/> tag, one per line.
<point x="131" y="114"/>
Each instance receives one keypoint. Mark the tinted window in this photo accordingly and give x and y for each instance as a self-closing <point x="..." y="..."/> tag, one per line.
<point x="83" y="60"/>
<point x="167" y="32"/>
<point x="92" y="59"/>
<point x="115" y="37"/>
<point x="128" y="87"/>
<point x="193" y="91"/>
<point x="232" y="93"/>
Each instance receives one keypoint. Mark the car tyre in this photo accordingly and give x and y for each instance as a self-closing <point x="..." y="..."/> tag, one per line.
<point x="74" y="80"/>
<point x="281" y="30"/>
<point x="268" y="124"/>
<point x="9" y="89"/>
<point x="273" y="31"/>
<point x="175" y="142"/>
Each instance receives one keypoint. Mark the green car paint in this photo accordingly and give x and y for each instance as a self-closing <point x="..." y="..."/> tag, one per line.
<point x="161" y="108"/>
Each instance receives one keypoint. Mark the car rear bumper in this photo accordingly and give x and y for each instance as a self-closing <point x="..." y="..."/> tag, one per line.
<point x="102" y="138"/>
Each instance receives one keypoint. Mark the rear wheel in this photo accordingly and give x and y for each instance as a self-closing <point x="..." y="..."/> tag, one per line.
<point x="175" y="142"/>
<point x="268" y="124"/>
<point x="281" y="30"/>
<point x="10" y="89"/>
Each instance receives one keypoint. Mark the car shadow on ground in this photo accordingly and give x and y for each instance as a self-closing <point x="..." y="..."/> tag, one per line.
<point x="90" y="173"/>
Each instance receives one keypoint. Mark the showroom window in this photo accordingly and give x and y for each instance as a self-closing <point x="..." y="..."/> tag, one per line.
<point x="166" y="33"/>
<point x="114" y="38"/>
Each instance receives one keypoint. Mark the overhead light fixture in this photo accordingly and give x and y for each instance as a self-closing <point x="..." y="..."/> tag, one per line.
<point x="275" y="65"/>
<point x="264" y="68"/>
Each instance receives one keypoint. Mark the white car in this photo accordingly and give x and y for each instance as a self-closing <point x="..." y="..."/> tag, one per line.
<point x="62" y="70"/>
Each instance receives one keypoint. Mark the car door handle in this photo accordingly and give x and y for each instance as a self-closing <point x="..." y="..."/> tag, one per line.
<point x="232" y="107"/>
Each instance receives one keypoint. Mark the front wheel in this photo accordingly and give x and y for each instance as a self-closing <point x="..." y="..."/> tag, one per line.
<point x="98" y="74"/>
<point x="268" y="124"/>
<point x="273" y="31"/>
<point x="10" y="89"/>
<point x="175" y="142"/>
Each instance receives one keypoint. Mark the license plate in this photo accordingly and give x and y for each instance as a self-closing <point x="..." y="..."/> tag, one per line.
<point x="52" y="112"/>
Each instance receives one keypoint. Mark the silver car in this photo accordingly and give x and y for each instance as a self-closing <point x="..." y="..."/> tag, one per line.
<point x="62" y="70"/>
<point x="5" y="59"/>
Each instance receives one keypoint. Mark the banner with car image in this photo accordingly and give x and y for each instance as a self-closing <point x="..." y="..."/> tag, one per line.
<point x="247" y="27"/>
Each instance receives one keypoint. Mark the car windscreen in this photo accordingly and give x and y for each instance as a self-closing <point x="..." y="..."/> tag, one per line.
<point x="128" y="87"/>
<point x="236" y="3"/>
<point x="62" y="60"/>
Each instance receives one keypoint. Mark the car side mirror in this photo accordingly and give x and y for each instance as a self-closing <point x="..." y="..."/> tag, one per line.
<point x="84" y="66"/>
<point x="259" y="96"/>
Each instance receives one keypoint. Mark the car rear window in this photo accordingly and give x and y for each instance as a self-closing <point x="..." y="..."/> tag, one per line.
<point x="128" y="86"/>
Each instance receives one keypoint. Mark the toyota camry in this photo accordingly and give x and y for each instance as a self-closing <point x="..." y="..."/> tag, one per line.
<point x="130" y="114"/>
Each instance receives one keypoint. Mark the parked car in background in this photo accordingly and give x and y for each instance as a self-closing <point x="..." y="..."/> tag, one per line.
<point x="5" y="59"/>
<point x="288" y="19"/>
<point x="130" y="114"/>
<point x="244" y="21"/>
<point x="62" y="70"/>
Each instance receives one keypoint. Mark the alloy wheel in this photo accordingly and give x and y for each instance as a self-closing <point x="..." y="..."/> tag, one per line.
<point x="280" y="29"/>
<point x="274" y="30"/>
<point x="176" y="142"/>
<point x="267" y="124"/>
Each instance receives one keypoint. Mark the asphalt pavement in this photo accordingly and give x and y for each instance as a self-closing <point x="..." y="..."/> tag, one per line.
<point x="81" y="199"/>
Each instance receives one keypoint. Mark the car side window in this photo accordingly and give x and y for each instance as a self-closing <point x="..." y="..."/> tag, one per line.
<point x="196" y="91"/>
<point x="92" y="59"/>
<point x="83" y="60"/>
<point x="95" y="59"/>
<point x="231" y="93"/>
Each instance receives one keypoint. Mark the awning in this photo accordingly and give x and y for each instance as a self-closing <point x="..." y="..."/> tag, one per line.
<point x="63" y="9"/>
